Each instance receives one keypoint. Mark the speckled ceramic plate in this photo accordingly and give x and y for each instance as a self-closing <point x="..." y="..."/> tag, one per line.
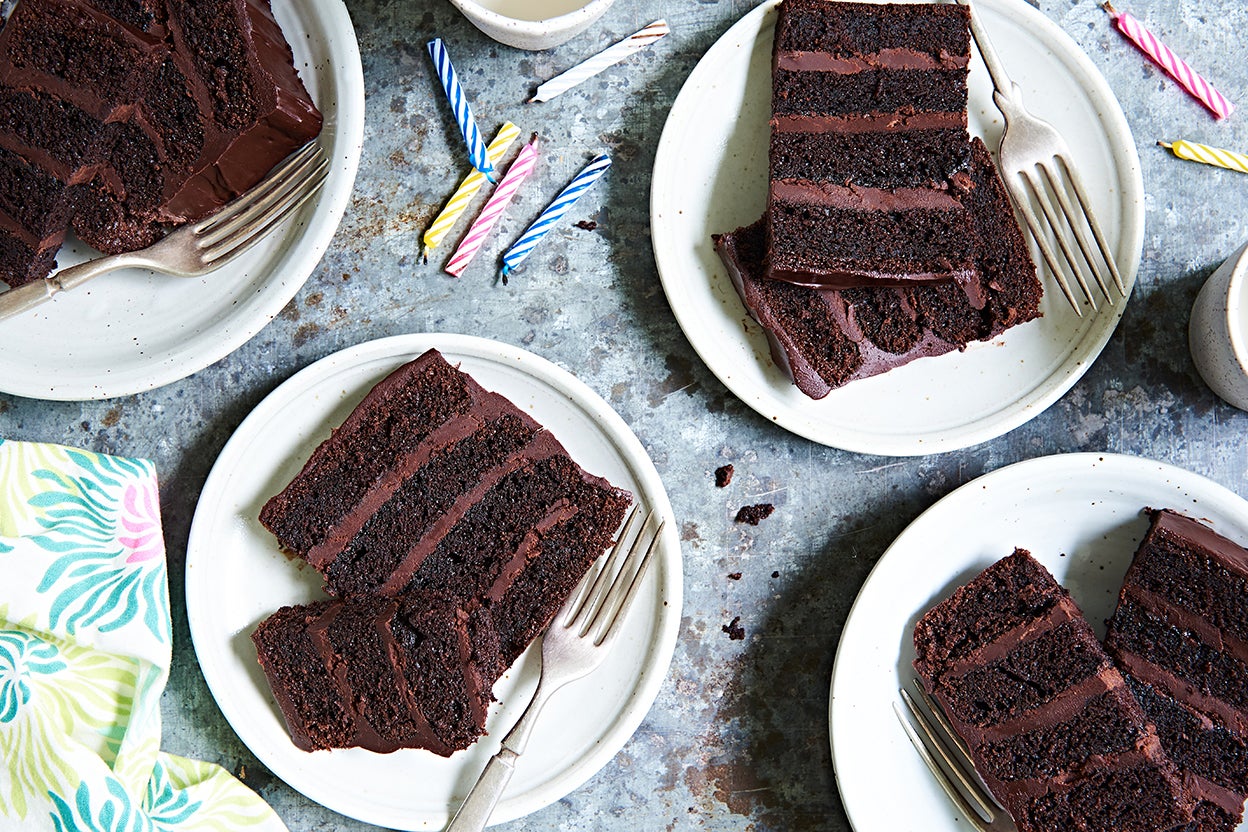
<point x="1078" y="514"/>
<point x="710" y="176"/>
<point x="236" y="576"/>
<point x="133" y="331"/>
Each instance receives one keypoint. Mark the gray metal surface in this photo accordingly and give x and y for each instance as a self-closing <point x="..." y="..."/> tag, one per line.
<point x="738" y="737"/>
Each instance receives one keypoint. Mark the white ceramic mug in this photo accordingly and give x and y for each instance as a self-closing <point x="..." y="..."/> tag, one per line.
<point x="1218" y="332"/>
<point x="532" y="24"/>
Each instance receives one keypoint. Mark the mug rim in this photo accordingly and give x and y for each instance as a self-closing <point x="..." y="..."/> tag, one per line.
<point x="534" y="27"/>
<point x="1237" y="308"/>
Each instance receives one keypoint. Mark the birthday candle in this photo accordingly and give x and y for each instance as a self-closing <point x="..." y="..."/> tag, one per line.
<point x="467" y="189"/>
<point x="459" y="103"/>
<point x="606" y="58"/>
<point x="554" y="212"/>
<point x="1175" y="66"/>
<point x="494" y="208"/>
<point x="1208" y="155"/>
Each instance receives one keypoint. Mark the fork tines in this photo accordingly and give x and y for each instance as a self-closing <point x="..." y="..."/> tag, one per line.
<point x="1050" y="186"/>
<point x="251" y="215"/>
<point x="947" y="758"/>
<point x="605" y="595"/>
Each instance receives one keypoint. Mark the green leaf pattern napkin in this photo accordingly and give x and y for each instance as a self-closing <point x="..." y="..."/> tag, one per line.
<point x="85" y="640"/>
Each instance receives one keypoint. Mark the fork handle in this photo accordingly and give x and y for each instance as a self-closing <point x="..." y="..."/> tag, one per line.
<point x="1005" y="88"/>
<point x="24" y="298"/>
<point x="475" y="812"/>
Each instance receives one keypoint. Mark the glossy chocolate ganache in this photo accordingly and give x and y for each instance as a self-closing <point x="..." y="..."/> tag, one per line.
<point x="121" y="119"/>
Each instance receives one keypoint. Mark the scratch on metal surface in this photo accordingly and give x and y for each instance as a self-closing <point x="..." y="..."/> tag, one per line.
<point x="880" y="468"/>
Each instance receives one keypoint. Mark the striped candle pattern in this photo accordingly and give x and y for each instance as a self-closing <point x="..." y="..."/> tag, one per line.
<point x="459" y="103"/>
<point x="1215" y="156"/>
<point x="454" y="208"/>
<point x="608" y="57"/>
<point x="554" y="212"/>
<point x="494" y="208"/>
<point x="1174" y="66"/>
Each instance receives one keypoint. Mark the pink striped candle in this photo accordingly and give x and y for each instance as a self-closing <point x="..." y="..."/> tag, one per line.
<point x="1174" y="66"/>
<point x="494" y="208"/>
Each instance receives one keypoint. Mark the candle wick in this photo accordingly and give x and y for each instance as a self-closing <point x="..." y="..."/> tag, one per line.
<point x="1166" y="145"/>
<point x="1109" y="7"/>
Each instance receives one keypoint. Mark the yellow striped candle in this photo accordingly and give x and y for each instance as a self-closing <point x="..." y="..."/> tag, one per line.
<point x="467" y="189"/>
<point x="1208" y="155"/>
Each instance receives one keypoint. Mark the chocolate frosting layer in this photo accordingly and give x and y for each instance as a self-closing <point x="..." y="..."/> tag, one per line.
<point x="854" y="198"/>
<point x="900" y="59"/>
<point x="37" y="53"/>
<point x="868" y="122"/>
<point x="232" y="162"/>
<point x="543" y="446"/>
<point x="1180" y="527"/>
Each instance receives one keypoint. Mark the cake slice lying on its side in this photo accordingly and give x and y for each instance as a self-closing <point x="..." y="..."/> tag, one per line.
<point x="825" y="338"/>
<point x="868" y="129"/>
<point x="121" y="120"/>
<point x="433" y="487"/>
<point x="1180" y="636"/>
<point x="1050" y="722"/>
<point x="380" y="673"/>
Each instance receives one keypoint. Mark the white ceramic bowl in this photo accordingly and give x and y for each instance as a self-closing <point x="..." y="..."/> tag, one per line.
<point x="532" y="24"/>
<point x="1218" y="332"/>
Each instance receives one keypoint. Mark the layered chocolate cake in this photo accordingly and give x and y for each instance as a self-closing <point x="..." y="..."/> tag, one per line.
<point x="381" y="673"/>
<point x="123" y="118"/>
<point x="825" y="338"/>
<point x="1180" y="636"/>
<point x="1049" y="721"/>
<point x="434" y="486"/>
<point x="868" y="130"/>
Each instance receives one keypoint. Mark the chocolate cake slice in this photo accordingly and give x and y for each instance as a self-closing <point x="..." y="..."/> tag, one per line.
<point x="1180" y="636"/>
<point x="1049" y="721"/>
<point x="868" y="129"/>
<point x="123" y="118"/>
<point x="436" y="487"/>
<point x="380" y="673"/>
<point x="825" y="338"/>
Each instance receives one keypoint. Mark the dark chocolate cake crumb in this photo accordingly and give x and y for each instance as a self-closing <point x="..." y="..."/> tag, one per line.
<point x="734" y="629"/>
<point x="586" y="225"/>
<point x="723" y="475"/>
<point x="775" y="574"/>
<point x="734" y="576"/>
<point x="754" y="514"/>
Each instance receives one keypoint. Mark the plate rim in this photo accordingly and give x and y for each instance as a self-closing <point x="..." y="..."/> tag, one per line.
<point x="307" y="248"/>
<point x="669" y="590"/>
<point x="797" y="418"/>
<point x="1152" y="470"/>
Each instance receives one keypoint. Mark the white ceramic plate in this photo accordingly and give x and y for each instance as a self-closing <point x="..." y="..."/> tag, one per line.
<point x="1078" y="514"/>
<point x="710" y="176"/>
<point x="236" y="576"/>
<point x="133" y="331"/>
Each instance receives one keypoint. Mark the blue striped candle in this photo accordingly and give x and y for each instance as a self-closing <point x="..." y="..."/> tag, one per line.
<point x="554" y="212"/>
<point x="459" y="103"/>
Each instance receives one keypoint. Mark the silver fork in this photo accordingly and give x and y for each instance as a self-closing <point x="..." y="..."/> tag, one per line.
<point x="957" y="775"/>
<point x="1036" y="162"/>
<point x="199" y="247"/>
<point x="575" y="644"/>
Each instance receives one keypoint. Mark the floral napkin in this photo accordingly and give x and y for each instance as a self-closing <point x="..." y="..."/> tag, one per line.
<point x="84" y="655"/>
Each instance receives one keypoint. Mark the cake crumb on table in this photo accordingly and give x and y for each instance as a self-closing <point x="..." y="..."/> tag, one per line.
<point x="723" y="475"/>
<point x="734" y="629"/>
<point x="754" y="514"/>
